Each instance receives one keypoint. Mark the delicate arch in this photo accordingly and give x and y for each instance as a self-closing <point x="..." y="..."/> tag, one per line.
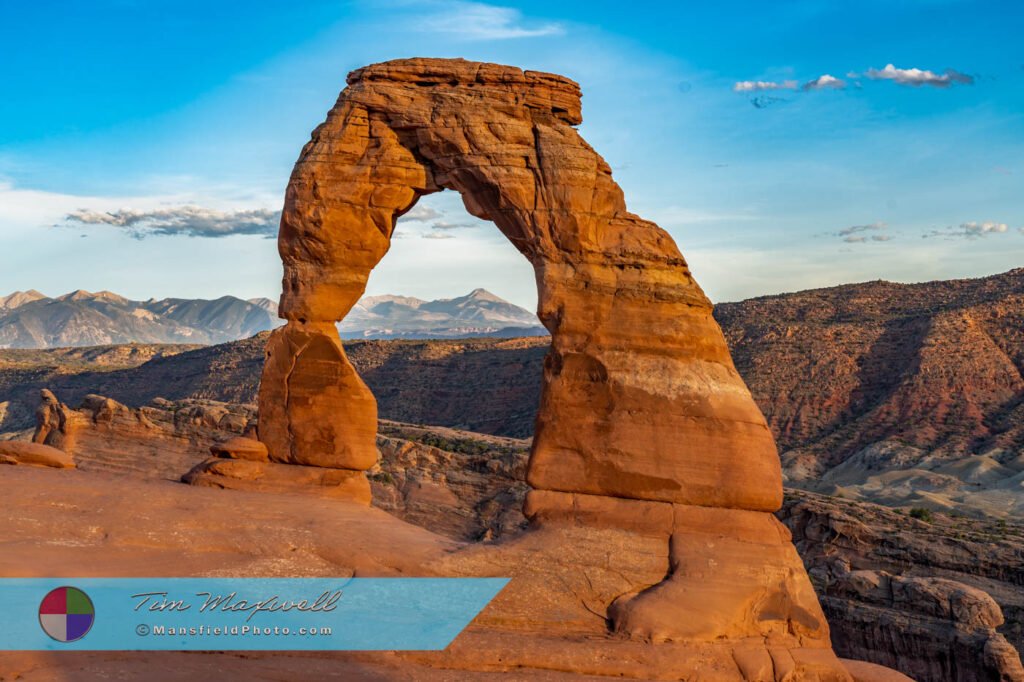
<point x="640" y="398"/>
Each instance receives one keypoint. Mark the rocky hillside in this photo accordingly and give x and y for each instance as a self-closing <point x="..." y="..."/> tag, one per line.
<point x="907" y="395"/>
<point x="82" y="318"/>
<point x="479" y="313"/>
<point x="485" y="385"/>
<point x="902" y="393"/>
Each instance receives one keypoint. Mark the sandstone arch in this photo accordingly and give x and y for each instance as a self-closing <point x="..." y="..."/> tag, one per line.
<point x="644" y="423"/>
<point x="640" y="397"/>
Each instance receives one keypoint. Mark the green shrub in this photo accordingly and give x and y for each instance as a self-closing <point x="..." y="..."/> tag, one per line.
<point x="922" y="514"/>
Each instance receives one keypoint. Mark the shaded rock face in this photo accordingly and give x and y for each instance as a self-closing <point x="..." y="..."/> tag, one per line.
<point x="917" y="395"/>
<point x="646" y="435"/>
<point x="938" y="601"/>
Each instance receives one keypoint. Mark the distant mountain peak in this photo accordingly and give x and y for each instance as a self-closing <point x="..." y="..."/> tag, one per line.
<point x="480" y="294"/>
<point x="265" y="303"/>
<point x="411" y="301"/>
<point x="478" y="313"/>
<point x="19" y="298"/>
<point x="83" y="295"/>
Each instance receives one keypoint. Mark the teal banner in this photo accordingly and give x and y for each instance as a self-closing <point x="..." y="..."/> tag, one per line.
<point x="255" y="614"/>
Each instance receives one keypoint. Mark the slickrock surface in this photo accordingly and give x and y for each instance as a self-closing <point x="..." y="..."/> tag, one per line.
<point x="469" y="487"/>
<point x="647" y="442"/>
<point x="158" y="441"/>
<point x="125" y="525"/>
<point x="242" y="474"/>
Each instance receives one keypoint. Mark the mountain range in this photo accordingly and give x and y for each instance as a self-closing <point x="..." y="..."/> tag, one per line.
<point x="479" y="313"/>
<point x="29" y="319"/>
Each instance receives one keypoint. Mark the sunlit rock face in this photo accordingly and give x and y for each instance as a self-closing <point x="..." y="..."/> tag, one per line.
<point x="640" y="397"/>
<point x="645" y="431"/>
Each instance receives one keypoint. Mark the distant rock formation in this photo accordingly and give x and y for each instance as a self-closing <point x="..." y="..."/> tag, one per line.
<point x="646" y="435"/>
<point x="904" y="394"/>
<point x="907" y="594"/>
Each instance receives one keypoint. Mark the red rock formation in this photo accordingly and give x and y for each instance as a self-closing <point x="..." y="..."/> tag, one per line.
<point x="34" y="454"/>
<point x="241" y="448"/>
<point x="56" y="425"/>
<point x="636" y="359"/>
<point x="647" y="444"/>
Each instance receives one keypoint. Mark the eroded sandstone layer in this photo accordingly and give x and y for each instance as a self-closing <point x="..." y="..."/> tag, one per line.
<point x="654" y="473"/>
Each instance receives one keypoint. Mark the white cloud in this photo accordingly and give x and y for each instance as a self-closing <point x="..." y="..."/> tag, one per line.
<point x="190" y="221"/>
<point x="477" y="21"/>
<point x="759" y="86"/>
<point x="971" y="230"/>
<point x="421" y="213"/>
<point x="919" y="77"/>
<point x="825" y="82"/>
<point x="438" y="235"/>
<point x="445" y="225"/>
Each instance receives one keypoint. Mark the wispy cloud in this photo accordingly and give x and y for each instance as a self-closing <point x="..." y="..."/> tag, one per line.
<point x="918" y="77"/>
<point x="421" y="213"/>
<point x="861" y="234"/>
<point x="761" y="86"/>
<point x="824" y="82"/>
<point x="765" y="101"/>
<point x="854" y="229"/>
<point x="445" y="225"/>
<point x="862" y="239"/>
<point x="478" y="21"/>
<point x="189" y="221"/>
<point x="432" y="223"/>
<point x="971" y="230"/>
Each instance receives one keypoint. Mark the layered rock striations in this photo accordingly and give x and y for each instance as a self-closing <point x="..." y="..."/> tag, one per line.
<point x="647" y="440"/>
<point x="939" y="600"/>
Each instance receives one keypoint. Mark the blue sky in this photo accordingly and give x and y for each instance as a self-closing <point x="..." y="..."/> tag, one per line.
<point x="145" y="146"/>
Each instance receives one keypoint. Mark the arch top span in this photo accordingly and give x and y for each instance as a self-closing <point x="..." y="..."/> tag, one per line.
<point x="640" y="398"/>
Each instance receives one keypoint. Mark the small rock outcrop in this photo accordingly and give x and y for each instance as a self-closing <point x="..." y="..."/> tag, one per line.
<point x="240" y="447"/>
<point x="34" y="454"/>
<point x="56" y="424"/>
